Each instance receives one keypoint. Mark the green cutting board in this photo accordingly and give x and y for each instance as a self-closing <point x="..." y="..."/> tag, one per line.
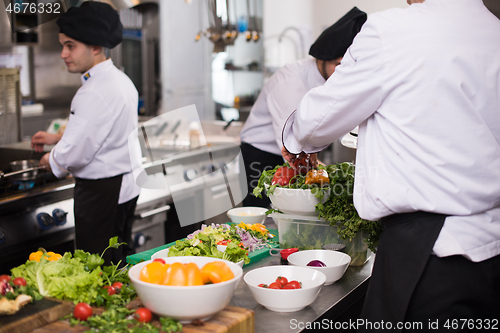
<point x="254" y="256"/>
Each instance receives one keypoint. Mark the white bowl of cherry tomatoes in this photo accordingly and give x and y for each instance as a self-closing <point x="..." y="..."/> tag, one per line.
<point x="284" y="288"/>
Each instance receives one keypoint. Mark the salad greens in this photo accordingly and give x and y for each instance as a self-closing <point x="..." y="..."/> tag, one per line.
<point x="77" y="277"/>
<point x="338" y="209"/>
<point x="266" y="178"/>
<point x="239" y="239"/>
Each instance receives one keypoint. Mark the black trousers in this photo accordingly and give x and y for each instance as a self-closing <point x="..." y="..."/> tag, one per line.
<point x="410" y="285"/>
<point x="125" y="217"/>
<point x="256" y="161"/>
<point x="98" y="217"/>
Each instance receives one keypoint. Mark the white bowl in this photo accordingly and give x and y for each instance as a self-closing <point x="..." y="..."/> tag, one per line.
<point x="336" y="262"/>
<point x="186" y="303"/>
<point x="248" y="215"/>
<point x="164" y="254"/>
<point x="295" y="201"/>
<point x="285" y="300"/>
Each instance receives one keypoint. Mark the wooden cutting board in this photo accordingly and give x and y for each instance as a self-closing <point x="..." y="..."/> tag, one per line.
<point x="230" y="320"/>
<point x="35" y="315"/>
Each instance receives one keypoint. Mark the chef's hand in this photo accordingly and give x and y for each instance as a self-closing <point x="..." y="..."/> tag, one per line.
<point x="43" y="138"/>
<point x="290" y="158"/>
<point x="44" y="161"/>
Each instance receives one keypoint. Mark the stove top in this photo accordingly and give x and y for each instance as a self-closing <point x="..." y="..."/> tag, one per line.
<point x="17" y="195"/>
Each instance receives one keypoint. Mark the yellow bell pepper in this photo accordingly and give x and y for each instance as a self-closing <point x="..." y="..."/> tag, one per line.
<point x="317" y="177"/>
<point x="50" y="256"/>
<point x="215" y="272"/>
<point x="36" y="256"/>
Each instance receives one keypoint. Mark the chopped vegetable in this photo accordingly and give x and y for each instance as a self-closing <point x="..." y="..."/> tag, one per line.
<point x="316" y="263"/>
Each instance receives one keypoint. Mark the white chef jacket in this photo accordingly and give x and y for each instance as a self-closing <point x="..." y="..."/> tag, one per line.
<point x="279" y="97"/>
<point x="95" y="142"/>
<point x="423" y="83"/>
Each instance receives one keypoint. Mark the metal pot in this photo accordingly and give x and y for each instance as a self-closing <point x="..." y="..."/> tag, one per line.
<point x="23" y="170"/>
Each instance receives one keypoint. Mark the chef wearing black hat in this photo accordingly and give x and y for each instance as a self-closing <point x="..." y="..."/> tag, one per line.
<point x="94" y="146"/>
<point x="261" y="134"/>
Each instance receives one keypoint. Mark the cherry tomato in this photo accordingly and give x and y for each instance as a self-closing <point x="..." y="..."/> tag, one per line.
<point x="274" y="285"/>
<point x="5" y="278"/>
<point x="160" y="260"/>
<point x="117" y="285"/>
<point x="263" y="285"/>
<point x="82" y="311"/>
<point x="143" y="315"/>
<point x="19" y="281"/>
<point x="282" y="281"/>
<point x="111" y="290"/>
<point x="293" y="285"/>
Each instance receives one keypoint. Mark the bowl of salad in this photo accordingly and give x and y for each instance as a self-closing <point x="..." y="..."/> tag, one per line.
<point x="223" y="241"/>
<point x="164" y="254"/>
<point x="295" y="188"/>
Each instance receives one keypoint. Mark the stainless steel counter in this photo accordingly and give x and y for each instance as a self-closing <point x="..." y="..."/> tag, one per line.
<point x="331" y="303"/>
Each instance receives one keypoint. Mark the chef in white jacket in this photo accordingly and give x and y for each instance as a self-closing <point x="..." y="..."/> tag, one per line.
<point x="94" y="146"/>
<point x="261" y="134"/>
<point x="423" y="84"/>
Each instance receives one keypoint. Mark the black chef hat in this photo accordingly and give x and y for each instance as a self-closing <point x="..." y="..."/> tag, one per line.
<point x="335" y="40"/>
<point x="93" y="23"/>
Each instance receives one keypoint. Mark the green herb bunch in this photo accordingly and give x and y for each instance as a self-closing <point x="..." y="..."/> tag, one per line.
<point x="121" y="320"/>
<point x="339" y="209"/>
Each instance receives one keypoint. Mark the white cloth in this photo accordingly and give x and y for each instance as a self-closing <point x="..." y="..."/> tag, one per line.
<point x="278" y="98"/>
<point x="95" y="142"/>
<point x="423" y="83"/>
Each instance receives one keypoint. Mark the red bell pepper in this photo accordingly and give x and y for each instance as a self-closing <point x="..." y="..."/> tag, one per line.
<point x="283" y="176"/>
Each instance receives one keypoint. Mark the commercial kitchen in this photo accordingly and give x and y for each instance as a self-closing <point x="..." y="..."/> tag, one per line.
<point x="198" y="67"/>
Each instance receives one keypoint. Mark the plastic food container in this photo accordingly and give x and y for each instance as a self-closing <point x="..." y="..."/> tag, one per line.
<point x="309" y="233"/>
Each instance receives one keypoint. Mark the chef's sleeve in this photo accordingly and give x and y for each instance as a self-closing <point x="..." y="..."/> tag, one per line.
<point x="353" y="93"/>
<point x="282" y="100"/>
<point x="89" y="124"/>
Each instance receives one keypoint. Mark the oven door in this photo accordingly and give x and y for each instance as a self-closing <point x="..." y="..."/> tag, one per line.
<point x="148" y="229"/>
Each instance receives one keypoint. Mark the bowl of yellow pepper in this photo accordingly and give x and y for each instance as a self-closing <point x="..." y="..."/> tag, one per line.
<point x="186" y="288"/>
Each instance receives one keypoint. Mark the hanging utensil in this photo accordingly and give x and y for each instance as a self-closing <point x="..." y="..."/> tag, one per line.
<point x="200" y="22"/>
<point x="248" y="33"/>
<point x="255" y="32"/>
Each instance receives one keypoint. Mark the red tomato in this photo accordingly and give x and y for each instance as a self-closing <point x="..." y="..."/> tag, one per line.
<point x="19" y="281"/>
<point x="282" y="281"/>
<point x="143" y="315"/>
<point x="5" y="278"/>
<point x="111" y="290"/>
<point x="117" y="285"/>
<point x="293" y="285"/>
<point x="274" y="285"/>
<point x="82" y="311"/>
<point x="263" y="285"/>
<point x="160" y="260"/>
<point x="224" y="242"/>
